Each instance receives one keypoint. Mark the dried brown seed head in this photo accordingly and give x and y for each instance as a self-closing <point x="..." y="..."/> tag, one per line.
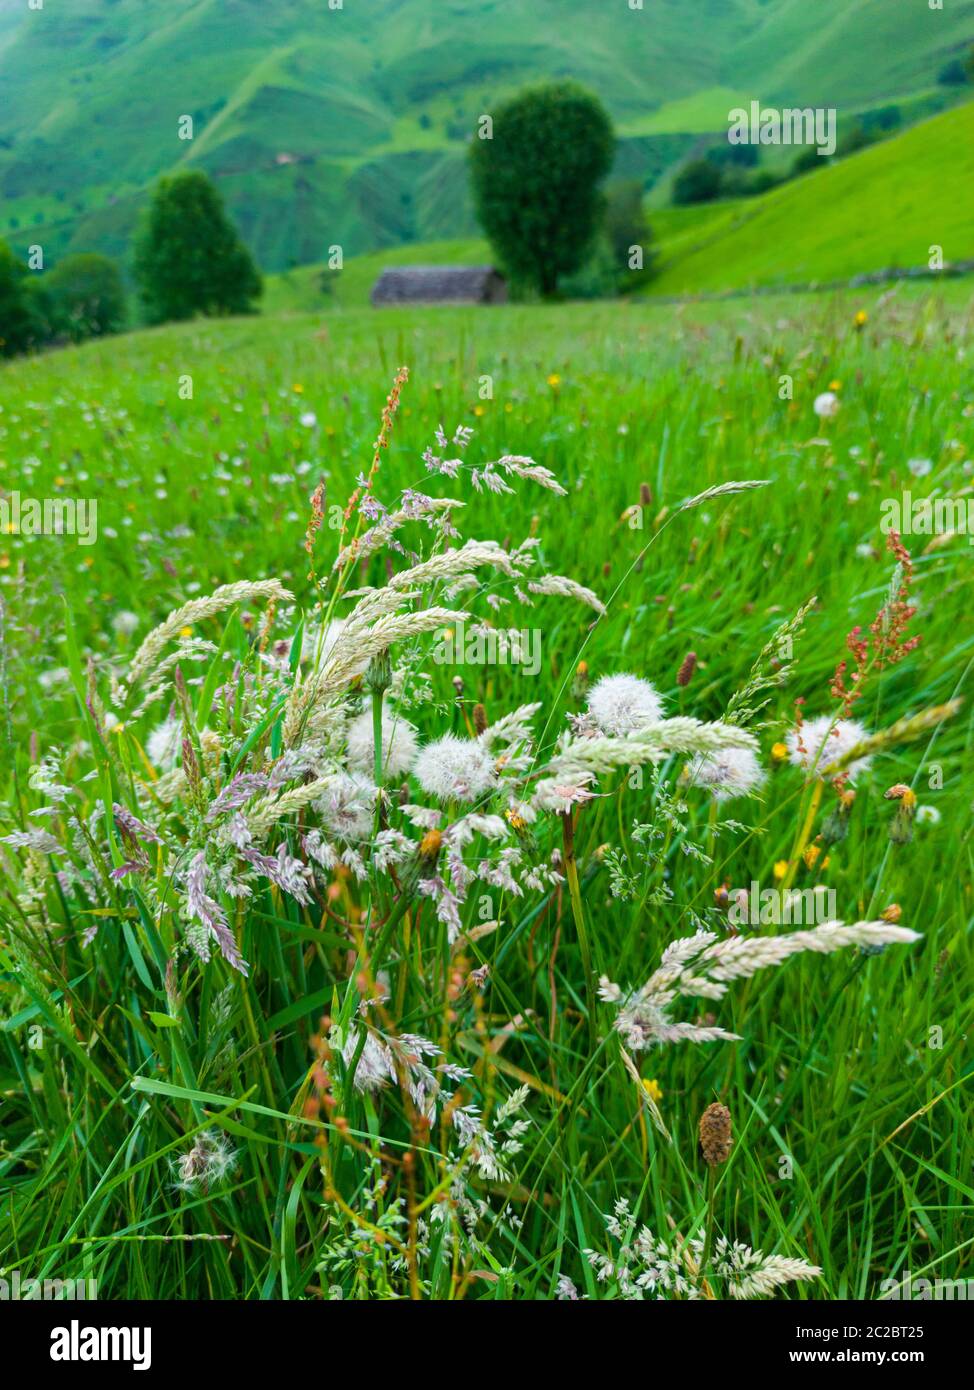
<point x="715" y="1134"/>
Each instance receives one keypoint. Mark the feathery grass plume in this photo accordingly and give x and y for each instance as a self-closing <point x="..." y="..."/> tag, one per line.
<point x="773" y="667"/>
<point x="359" y="643"/>
<point x="647" y="1266"/>
<point x="522" y="467"/>
<point x="651" y="744"/>
<point x="379" y="535"/>
<point x="270" y="810"/>
<point x="196" y="611"/>
<point x="905" y="730"/>
<point x="703" y="966"/>
<point x="564" y="781"/>
<point x="723" y="490"/>
<point x="564" y="587"/>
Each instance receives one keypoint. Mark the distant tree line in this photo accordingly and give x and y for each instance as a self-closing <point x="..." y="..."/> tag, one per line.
<point x="188" y="260"/>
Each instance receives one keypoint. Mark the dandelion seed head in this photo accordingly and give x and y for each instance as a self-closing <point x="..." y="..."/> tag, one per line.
<point x="164" y="743"/>
<point x="125" y="623"/>
<point x="826" y="406"/>
<point x="730" y="773"/>
<point x="399" y="743"/>
<point x="455" y="769"/>
<point x="207" y="1163"/>
<point x="348" y="806"/>
<point x="624" y="704"/>
<point x="823" y="741"/>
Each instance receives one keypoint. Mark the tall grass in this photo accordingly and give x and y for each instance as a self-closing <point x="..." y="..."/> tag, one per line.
<point x="847" y="1087"/>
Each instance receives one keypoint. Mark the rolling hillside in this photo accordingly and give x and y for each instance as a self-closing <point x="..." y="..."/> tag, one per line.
<point x="349" y="125"/>
<point x="882" y="207"/>
<point x="885" y="206"/>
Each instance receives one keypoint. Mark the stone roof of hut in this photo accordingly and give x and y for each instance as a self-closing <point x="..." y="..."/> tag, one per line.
<point x="435" y="284"/>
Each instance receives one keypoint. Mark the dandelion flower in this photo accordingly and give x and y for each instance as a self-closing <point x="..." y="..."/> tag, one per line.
<point x="623" y="704"/>
<point x="399" y="744"/>
<point x="455" y="769"/>
<point x="823" y="741"/>
<point x="826" y="406"/>
<point x="728" y="774"/>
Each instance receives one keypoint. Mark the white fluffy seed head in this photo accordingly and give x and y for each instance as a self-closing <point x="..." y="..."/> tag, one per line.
<point x="348" y="807"/>
<point x="164" y="743"/>
<point x="399" y="743"/>
<point x="730" y="773"/>
<point x="823" y="741"/>
<point x="623" y="704"/>
<point x="455" y="769"/>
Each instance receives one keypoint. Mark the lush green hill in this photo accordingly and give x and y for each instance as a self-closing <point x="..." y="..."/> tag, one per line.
<point x="882" y="207"/>
<point x="349" y="125"/>
<point x="885" y="206"/>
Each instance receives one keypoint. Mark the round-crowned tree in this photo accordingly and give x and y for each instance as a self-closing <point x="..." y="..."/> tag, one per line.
<point x="189" y="258"/>
<point x="536" y="181"/>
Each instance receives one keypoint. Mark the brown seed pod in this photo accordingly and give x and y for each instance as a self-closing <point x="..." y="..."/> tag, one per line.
<point x="687" y="668"/>
<point x="715" y="1134"/>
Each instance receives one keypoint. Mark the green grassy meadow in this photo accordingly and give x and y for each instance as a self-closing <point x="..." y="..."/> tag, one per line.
<point x="850" y="1086"/>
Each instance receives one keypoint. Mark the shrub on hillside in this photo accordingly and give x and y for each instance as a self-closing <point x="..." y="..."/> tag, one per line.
<point x="19" y="327"/>
<point x="83" y="297"/>
<point x="700" y="181"/>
